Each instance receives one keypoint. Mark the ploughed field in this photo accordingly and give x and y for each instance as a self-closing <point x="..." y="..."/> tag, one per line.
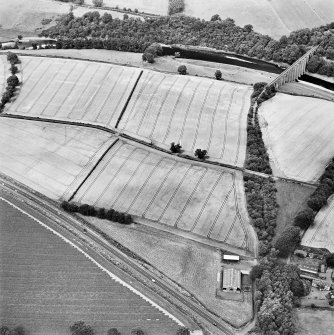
<point x="46" y="285"/>
<point x="274" y="17"/>
<point x="298" y="132"/>
<point x="73" y="90"/>
<point x="198" y="112"/>
<point x="50" y="158"/>
<point x="204" y="201"/>
<point x="320" y="235"/>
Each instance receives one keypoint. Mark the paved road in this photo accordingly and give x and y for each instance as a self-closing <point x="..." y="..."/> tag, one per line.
<point x="56" y="219"/>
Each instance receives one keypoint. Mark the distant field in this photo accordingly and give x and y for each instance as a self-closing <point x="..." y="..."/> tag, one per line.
<point x="320" y="235"/>
<point x="3" y="64"/>
<point x="201" y="113"/>
<point x="315" y="322"/>
<point x="73" y="90"/>
<point x="274" y="17"/>
<point x="204" y="201"/>
<point x="46" y="285"/>
<point x="298" y="132"/>
<point x="50" y="158"/>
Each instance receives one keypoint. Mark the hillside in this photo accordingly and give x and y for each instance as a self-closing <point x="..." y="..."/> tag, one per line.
<point x="270" y="17"/>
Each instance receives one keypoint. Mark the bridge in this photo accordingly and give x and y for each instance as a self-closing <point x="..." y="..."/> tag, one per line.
<point x="294" y="71"/>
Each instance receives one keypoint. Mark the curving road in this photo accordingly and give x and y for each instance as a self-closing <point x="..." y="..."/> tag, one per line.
<point x="94" y="245"/>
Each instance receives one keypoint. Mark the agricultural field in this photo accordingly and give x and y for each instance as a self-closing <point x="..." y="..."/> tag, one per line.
<point x="315" y="322"/>
<point x="298" y="132"/>
<point x="207" y="202"/>
<point x="73" y="90"/>
<point x="192" y="265"/>
<point x="50" y="158"/>
<point x="197" y="112"/>
<point x="320" y="235"/>
<point x="46" y="285"/>
<point x="3" y="64"/>
<point x="274" y="18"/>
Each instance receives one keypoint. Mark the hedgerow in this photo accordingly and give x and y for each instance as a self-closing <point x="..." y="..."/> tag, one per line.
<point x="175" y="6"/>
<point x="100" y="213"/>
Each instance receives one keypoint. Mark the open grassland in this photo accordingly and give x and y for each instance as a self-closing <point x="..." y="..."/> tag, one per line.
<point x="46" y="285"/>
<point x="207" y="202"/>
<point x="298" y="133"/>
<point x="274" y="17"/>
<point x="199" y="113"/>
<point x="315" y="322"/>
<point x="190" y="264"/>
<point x="50" y="158"/>
<point x="320" y="235"/>
<point x="73" y="90"/>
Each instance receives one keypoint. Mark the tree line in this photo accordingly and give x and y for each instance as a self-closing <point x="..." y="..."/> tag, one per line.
<point x="135" y="35"/>
<point x="12" y="80"/>
<point x="100" y="213"/>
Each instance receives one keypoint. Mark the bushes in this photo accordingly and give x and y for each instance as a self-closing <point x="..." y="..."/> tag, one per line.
<point x="182" y="69"/>
<point x="218" y="75"/>
<point x="304" y="218"/>
<point x="175" y="6"/>
<point x="100" y="213"/>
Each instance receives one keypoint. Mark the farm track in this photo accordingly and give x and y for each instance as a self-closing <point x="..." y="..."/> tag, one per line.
<point x="182" y="302"/>
<point x="159" y="149"/>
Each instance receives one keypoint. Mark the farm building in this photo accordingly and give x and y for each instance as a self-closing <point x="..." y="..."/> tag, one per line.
<point x="232" y="280"/>
<point x="309" y="268"/>
<point x="233" y="258"/>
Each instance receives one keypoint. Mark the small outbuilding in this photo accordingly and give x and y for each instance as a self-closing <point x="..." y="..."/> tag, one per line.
<point x="231" y="258"/>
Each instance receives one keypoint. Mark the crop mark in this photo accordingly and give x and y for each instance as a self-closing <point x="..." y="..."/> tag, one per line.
<point x="173" y="110"/>
<point x="207" y="200"/>
<point x="82" y="92"/>
<point x="200" y="116"/>
<point x="221" y="207"/>
<point x="115" y="175"/>
<point x="161" y="107"/>
<point x="108" y="95"/>
<point x="174" y="193"/>
<point x="101" y="171"/>
<point x="139" y="95"/>
<point x="149" y="104"/>
<point x="187" y="110"/>
<point x="159" y="188"/>
<point x="145" y="183"/>
<point x="117" y="197"/>
<point x="190" y="197"/>
<point x="320" y="224"/>
<point x="56" y="91"/>
<point x="225" y="123"/>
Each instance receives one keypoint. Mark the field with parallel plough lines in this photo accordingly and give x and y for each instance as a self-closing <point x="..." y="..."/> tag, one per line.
<point x="46" y="285"/>
<point x="50" y="158"/>
<point x="298" y="132"/>
<point x="73" y="90"/>
<point x="201" y="113"/>
<point x="204" y="201"/>
<point x="320" y="234"/>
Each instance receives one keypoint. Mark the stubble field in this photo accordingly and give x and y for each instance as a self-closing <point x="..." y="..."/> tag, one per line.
<point x="320" y="235"/>
<point x="298" y="133"/>
<point x="50" y="158"/>
<point x="207" y="202"/>
<point x="46" y="285"/>
<point x="200" y="113"/>
<point x="73" y="90"/>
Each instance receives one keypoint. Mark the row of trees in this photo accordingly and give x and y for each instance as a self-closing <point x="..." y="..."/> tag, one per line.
<point x="100" y="213"/>
<point x="136" y="35"/>
<point x="12" y="81"/>
<point x="4" y="330"/>
<point x="278" y="285"/>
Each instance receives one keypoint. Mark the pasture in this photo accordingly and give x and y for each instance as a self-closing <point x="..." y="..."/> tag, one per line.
<point x="298" y="132"/>
<point x="314" y="321"/>
<point x="207" y="202"/>
<point x="190" y="264"/>
<point x="320" y="235"/>
<point x="50" y="158"/>
<point x="274" y="18"/>
<point x="73" y="90"/>
<point x="198" y="112"/>
<point x="46" y="285"/>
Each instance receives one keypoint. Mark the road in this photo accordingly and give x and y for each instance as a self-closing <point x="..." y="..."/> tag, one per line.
<point x="94" y="245"/>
